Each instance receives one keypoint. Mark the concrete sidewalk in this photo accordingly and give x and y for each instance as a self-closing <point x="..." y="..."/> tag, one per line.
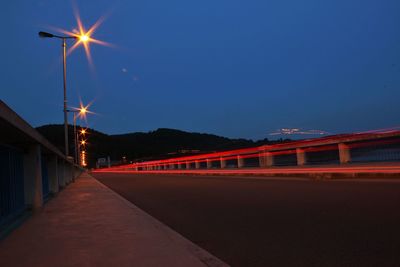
<point x="87" y="224"/>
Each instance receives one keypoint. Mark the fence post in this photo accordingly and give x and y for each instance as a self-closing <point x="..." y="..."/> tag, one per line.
<point x="301" y="156"/>
<point x="344" y="153"/>
<point x="270" y="159"/>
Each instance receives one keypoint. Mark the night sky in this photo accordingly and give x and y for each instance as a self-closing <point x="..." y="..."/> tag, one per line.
<point x="227" y="67"/>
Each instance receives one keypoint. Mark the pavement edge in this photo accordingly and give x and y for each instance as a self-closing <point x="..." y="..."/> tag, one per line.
<point x="204" y="256"/>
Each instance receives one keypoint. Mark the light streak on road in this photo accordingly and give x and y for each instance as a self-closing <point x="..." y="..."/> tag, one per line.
<point x="393" y="168"/>
<point x="324" y="144"/>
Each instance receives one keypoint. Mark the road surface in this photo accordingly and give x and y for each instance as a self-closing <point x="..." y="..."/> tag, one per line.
<point x="274" y="222"/>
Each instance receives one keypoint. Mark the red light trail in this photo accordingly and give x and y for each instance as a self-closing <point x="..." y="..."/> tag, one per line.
<point x="394" y="169"/>
<point x="358" y="140"/>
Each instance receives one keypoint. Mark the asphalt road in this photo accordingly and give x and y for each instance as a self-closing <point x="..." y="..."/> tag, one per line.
<point x="261" y="222"/>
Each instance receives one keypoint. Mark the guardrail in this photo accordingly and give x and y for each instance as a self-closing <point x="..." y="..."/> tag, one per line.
<point x="339" y="149"/>
<point x="31" y="168"/>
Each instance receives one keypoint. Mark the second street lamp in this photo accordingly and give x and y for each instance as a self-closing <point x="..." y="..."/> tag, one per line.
<point x="77" y="113"/>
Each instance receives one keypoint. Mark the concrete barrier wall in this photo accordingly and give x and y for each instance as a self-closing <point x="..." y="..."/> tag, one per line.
<point x="44" y="168"/>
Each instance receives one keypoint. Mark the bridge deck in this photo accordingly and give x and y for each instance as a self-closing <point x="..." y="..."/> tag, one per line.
<point x="90" y="225"/>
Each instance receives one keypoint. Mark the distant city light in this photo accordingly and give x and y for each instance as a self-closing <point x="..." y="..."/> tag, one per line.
<point x="298" y="131"/>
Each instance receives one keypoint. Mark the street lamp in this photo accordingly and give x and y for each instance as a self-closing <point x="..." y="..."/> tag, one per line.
<point x="82" y="154"/>
<point x="82" y="38"/>
<point x="81" y="112"/>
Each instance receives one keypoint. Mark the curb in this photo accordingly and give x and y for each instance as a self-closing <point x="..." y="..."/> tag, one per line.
<point x="204" y="256"/>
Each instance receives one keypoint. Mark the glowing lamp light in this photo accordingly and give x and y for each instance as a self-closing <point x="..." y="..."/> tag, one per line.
<point x="83" y="110"/>
<point x="83" y="158"/>
<point x="84" y="38"/>
<point x="83" y="35"/>
<point x="83" y="131"/>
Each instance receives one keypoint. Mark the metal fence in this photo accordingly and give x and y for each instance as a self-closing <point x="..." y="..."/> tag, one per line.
<point x="341" y="149"/>
<point x="12" y="202"/>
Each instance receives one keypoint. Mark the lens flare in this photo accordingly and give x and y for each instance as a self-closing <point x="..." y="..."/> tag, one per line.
<point x="83" y="36"/>
<point x="83" y="110"/>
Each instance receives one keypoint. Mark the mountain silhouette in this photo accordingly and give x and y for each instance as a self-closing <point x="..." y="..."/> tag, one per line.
<point x="139" y="146"/>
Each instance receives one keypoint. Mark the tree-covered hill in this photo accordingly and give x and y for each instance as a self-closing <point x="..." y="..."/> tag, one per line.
<point x="160" y="143"/>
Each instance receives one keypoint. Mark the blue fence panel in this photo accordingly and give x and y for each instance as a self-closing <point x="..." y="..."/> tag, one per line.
<point x="378" y="151"/>
<point x="289" y="159"/>
<point x="251" y="162"/>
<point x="323" y="157"/>
<point x="12" y="200"/>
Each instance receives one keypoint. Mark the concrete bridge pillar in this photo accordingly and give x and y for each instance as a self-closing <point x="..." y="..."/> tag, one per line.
<point x="344" y="153"/>
<point x="301" y="156"/>
<point x="209" y="163"/>
<point x="269" y="158"/>
<point x="266" y="159"/>
<point x="223" y="162"/>
<point x="179" y="165"/>
<point x="53" y="173"/>
<point x="187" y="165"/>
<point x="197" y="163"/>
<point x="172" y="166"/>
<point x="33" y="177"/>
<point x="240" y="161"/>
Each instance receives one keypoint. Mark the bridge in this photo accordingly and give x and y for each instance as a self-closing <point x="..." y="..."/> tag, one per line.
<point x="246" y="207"/>
<point x="32" y="169"/>
<point x="346" y="154"/>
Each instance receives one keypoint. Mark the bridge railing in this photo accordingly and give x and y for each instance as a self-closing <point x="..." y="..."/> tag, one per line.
<point x="31" y="168"/>
<point x="340" y="149"/>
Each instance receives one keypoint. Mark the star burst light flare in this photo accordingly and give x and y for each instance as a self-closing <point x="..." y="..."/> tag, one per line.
<point x="84" y="37"/>
<point x="83" y="110"/>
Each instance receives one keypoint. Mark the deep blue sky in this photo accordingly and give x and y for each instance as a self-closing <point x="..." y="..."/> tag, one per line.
<point x="228" y="67"/>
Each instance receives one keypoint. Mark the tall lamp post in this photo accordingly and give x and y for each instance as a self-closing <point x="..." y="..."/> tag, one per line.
<point x="83" y="133"/>
<point x="64" y="46"/>
<point x="81" y="112"/>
